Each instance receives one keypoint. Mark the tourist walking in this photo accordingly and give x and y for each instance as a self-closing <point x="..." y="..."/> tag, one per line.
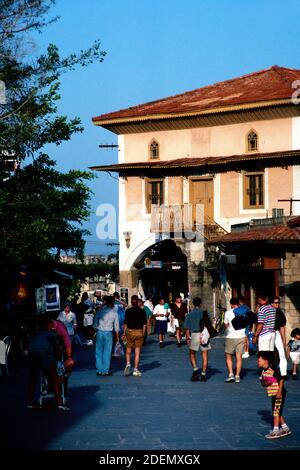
<point x="234" y="343"/>
<point x="161" y="314"/>
<point x="106" y="321"/>
<point x="68" y="318"/>
<point x="265" y="329"/>
<point x="193" y="338"/>
<point x="148" y="307"/>
<point x="135" y="325"/>
<point x="179" y="311"/>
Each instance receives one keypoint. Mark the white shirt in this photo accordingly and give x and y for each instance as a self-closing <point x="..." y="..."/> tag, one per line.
<point x="69" y="320"/>
<point x="230" y="331"/>
<point x="162" y="311"/>
<point x="149" y="304"/>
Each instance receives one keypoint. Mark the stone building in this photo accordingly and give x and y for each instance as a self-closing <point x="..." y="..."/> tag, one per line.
<point x="264" y="255"/>
<point x="191" y="166"/>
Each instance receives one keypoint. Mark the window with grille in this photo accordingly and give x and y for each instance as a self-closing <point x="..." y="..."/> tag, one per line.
<point x="154" y="193"/>
<point x="253" y="191"/>
<point x="154" y="150"/>
<point x="252" y="141"/>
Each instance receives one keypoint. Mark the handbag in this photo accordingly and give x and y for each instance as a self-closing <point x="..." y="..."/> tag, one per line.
<point x="204" y="337"/>
<point x="118" y="351"/>
<point x="171" y="328"/>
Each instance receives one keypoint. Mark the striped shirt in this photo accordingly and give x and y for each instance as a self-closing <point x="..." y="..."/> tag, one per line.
<point x="270" y="379"/>
<point x="267" y="316"/>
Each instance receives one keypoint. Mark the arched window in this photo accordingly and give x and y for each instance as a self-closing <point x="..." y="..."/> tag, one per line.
<point x="154" y="150"/>
<point x="252" y="141"/>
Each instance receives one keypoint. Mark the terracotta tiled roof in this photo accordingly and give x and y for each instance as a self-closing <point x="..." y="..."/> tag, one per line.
<point x="210" y="163"/>
<point x="270" y="85"/>
<point x="277" y="233"/>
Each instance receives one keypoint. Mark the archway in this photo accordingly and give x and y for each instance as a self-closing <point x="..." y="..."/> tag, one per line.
<point x="162" y="270"/>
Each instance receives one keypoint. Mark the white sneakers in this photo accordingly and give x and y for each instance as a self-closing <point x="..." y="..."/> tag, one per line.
<point x="127" y="370"/>
<point x="245" y="355"/>
<point x="135" y="373"/>
<point x="230" y="379"/>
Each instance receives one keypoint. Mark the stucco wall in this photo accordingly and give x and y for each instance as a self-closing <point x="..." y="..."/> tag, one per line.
<point x="134" y="200"/>
<point x="274" y="135"/>
<point x="280" y="187"/>
<point x="175" y="187"/>
<point x="229" y="195"/>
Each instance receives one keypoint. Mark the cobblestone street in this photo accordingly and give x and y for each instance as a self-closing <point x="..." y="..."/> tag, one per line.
<point x="162" y="410"/>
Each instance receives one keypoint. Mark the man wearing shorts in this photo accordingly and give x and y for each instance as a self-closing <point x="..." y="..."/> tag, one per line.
<point x="234" y="344"/>
<point x="192" y="326"/>
<point x="135" y="325"/>
<point x="266" y="319"/>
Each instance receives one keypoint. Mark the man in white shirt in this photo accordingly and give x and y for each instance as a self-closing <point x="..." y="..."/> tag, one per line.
<point x="161" y="314"/>
<point x="234" y="344"/>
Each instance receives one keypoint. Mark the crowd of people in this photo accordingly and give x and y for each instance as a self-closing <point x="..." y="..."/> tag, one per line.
<point x="113" y="325"/>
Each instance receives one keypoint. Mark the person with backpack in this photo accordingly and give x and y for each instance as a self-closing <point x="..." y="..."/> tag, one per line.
<point x="234" y="343"/>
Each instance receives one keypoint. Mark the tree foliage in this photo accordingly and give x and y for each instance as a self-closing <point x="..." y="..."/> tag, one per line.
<point x="41" y="209"/>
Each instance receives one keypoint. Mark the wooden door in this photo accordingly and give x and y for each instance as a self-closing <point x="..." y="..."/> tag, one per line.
<point x="202" y="192"/>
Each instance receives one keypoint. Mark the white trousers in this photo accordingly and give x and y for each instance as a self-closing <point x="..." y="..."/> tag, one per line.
<point x="281" y="351"/>
<point x="266" y="342"/>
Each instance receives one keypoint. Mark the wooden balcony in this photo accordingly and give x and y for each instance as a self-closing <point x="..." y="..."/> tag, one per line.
<point x="185" y="218"/>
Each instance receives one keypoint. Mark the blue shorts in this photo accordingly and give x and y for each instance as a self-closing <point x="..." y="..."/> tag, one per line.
<point x="161" y="327"/>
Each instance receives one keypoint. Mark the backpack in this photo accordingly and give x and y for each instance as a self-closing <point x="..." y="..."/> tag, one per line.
<point x="241" y="310"/>
<point x="240" y="322"/>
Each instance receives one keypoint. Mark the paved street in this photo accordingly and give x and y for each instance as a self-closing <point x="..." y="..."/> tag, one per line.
<point x="162" y="410"/>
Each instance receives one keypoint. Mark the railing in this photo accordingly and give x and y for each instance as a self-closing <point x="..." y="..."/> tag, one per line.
<point x="184" y="218"/>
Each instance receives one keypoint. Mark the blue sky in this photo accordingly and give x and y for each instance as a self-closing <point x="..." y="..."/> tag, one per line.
<point x="157" y="48"/>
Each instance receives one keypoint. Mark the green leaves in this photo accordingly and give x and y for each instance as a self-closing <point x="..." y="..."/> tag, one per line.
<point x="41" y="209"/>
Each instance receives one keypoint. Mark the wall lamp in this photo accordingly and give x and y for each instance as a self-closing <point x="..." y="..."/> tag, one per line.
<point x="127" y="236"/>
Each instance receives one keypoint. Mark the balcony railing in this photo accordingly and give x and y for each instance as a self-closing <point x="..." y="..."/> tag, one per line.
<point x="184" y="218"/>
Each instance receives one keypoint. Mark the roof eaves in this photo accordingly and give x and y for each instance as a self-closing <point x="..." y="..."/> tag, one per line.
<point x="225" y="109"/>
<point x="198" y="162"/>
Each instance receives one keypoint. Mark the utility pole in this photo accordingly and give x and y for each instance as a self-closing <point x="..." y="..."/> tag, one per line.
<point x="291" y="200"/>
<point x="108" y="146"/>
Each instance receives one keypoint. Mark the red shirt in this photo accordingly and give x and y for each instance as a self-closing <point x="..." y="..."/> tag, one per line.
<point x="62" y="333"/>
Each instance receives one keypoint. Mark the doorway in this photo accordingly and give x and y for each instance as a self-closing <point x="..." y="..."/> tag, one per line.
<point x="202" y="192"/>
